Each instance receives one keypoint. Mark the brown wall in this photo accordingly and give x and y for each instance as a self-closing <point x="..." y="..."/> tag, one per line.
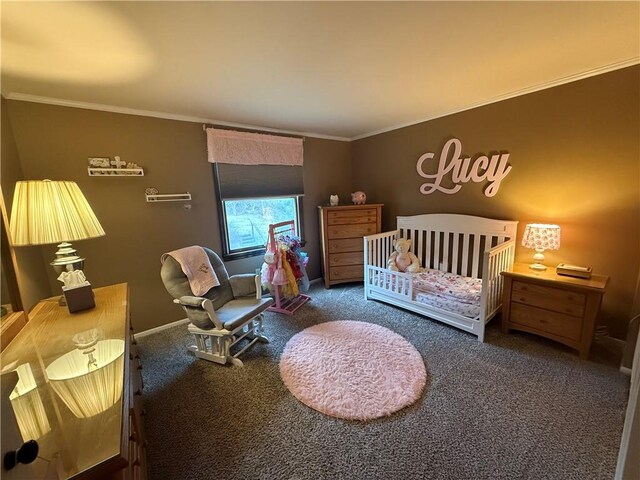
<point x="32" y="277"/>
<point x="575" y="153"/>
<point x="54" y="142"/>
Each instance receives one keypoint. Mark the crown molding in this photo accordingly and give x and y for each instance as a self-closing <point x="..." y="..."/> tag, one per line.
<point x="516" y="93"/>
<point x="25" y="97"/>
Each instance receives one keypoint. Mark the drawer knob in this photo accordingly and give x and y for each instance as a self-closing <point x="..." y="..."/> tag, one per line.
<point x="543" y="321"/>
<point x="132" y="437"/>
<point x="27" y="453"/>
<point x="522" y="299"/>
<point x="138" y="392"/>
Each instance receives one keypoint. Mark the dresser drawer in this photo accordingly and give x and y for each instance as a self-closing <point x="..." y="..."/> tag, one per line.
<point x="355" y="272"/>
<point x="350" y="258"/>
<point x="346" y="245"/>
<point x="352" y="216"/>
<point x="350" y="231"/>
<point x="554" y="323"/>
<point x="555" y="299"/>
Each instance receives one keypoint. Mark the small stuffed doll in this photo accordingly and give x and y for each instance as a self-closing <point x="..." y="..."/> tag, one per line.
<point x="402" y="260"/>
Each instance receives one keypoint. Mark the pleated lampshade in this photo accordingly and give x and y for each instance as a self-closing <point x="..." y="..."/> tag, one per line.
<point x="46" y="211"/>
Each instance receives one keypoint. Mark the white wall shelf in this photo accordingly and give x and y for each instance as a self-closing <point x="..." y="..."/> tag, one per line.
<point x="115" y="172"/>
<point x="153" y="196"/>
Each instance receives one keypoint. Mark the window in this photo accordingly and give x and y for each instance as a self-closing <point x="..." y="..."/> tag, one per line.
<point x="250" y="198"/>
<point x="246" y="222"/>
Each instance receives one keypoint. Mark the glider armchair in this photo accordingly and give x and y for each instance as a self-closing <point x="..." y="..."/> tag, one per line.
<point x="224" y="315"/>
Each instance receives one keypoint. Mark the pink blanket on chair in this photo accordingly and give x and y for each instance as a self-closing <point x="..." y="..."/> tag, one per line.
<point x="196" y="266"/>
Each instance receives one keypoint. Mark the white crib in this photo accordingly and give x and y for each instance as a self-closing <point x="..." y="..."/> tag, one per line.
<point x="465" y="245"/>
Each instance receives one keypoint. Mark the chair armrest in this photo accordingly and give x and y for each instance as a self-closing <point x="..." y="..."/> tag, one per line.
<point x="190" y="303"/>
<point x="245" y="284"/>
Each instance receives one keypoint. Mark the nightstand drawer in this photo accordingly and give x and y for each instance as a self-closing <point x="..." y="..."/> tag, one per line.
<point x="350" y="258"/>
<point x="349" y="231"/>
<point x="346" y="245"/>
<point x="557" y="300"/>
<point x="349" y="217"/>
<point x="347" y="272"/>
<point x="554" y="323"/>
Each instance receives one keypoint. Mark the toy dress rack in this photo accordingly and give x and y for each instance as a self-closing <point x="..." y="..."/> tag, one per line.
<point x="285" y="268"/>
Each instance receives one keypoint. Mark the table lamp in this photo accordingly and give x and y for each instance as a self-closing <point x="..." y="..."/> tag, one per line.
<point x="46" y="211"/>
<point x="541" y="237"/>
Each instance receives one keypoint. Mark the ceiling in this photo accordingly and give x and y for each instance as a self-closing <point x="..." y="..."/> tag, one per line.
<point x="336" y="69"/>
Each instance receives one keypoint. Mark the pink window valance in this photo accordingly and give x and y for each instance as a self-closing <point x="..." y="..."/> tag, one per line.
<point x="230" y="146"/>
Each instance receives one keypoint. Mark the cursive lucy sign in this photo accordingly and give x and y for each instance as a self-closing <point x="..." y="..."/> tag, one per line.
<point x="492" y="170"/>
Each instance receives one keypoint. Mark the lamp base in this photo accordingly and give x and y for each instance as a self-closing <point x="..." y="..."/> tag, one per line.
<point x="66" y="261"/>
<point x="538" y="257"/>
<point x="537" y="266"/>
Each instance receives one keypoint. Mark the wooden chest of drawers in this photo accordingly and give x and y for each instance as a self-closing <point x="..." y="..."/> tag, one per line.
<point x="341" y="229"/>
<point x="92" y="425"/>
<point x="553" y="306"/>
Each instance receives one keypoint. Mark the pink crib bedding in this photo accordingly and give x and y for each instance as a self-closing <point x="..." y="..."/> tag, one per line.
<point x="448" y="285"/>
<point x="447" y="291"/>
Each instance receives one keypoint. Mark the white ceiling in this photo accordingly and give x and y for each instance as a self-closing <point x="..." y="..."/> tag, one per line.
<point x="326" y="68"/>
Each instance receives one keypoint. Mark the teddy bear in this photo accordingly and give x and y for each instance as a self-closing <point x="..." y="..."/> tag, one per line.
<point x="402" y="260"/>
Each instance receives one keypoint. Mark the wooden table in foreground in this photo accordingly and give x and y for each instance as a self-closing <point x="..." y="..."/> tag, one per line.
<point x="79" y="393"/>
<point x="564" y="309"/>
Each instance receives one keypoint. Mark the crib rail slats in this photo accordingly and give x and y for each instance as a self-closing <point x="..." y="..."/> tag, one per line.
<point x="474" y="256"/>
<point x="418" y="248"/>
<point x="466" y="239"/>
<point x="455" y="266"/>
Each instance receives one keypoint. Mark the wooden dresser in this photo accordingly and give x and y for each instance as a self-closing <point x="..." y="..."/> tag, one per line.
<point x="79" y="393"/>
<point x="341" y="229"/>
<point x="564" y="309"/>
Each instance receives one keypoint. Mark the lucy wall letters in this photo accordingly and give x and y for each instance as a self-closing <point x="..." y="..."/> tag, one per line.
<point x="461" y="170"/>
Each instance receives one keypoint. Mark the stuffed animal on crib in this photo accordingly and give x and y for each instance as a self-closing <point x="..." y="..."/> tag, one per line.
<point x="402" y="260"/>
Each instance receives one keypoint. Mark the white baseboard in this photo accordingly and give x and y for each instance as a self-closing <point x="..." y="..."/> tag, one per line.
<point x="160" y="328"/>
<point x="625" y="370"/>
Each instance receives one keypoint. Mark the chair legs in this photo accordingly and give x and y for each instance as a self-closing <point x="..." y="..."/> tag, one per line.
<point x="215" y="345"/>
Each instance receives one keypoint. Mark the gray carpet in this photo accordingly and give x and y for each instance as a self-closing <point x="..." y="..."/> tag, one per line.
<point x="514" y="407"/>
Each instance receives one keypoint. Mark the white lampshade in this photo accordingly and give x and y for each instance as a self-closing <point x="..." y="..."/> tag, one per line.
<point x="27" y="405"/>
<point x="541" y="237"/>
<point x="89" y="387"/>
<point x="46" y="211"/>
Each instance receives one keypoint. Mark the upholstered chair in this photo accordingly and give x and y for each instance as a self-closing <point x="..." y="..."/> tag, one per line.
<point x="224" y="315"/>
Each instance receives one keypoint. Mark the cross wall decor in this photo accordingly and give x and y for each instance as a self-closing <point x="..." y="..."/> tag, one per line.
<point x="461" y="170"/>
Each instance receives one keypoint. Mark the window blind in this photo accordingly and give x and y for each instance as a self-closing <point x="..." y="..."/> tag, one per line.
<point x="253" y="181"/>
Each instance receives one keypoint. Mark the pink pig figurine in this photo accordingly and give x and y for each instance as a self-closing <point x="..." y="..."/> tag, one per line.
<point x="358" y="198"/>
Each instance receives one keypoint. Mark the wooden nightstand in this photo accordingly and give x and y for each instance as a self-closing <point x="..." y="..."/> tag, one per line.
<point x="561" y="308"/>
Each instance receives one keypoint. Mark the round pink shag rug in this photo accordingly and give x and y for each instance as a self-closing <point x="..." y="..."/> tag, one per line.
<point x="352" y="370"/>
